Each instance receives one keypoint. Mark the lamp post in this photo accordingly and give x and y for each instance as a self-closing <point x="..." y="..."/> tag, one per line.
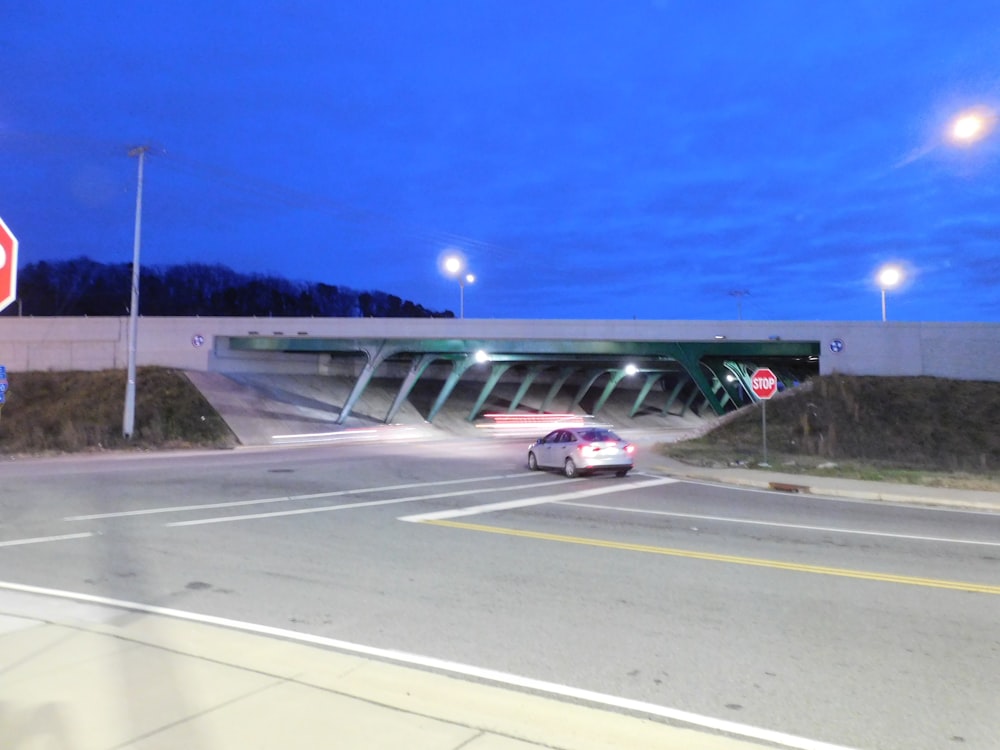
<point x="888" y="278"/>
<point x="454" y="265"/>
<point x="128" y="415"/>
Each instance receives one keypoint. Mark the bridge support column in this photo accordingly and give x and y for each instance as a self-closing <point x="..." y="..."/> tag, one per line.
<point x="690" y="358"/>
<point x="616" y="377"/>
<point x="651" y="379"/>
<point x="496" y="372"/>
<point x="529" y="378"/>
<point x="681" y="382"/>
<point x="556" y="386"/>
<point x="376" y="356"/>
<point x="458" y="369"/>
<point x="592" y="377"/>
<point x="417" y="368"/>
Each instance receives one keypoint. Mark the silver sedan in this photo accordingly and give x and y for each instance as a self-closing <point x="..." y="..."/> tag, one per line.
<point x="582" y="450"/>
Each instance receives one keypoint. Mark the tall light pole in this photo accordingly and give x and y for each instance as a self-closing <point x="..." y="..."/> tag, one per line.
<point x="454" y="265"/>
<point x="128" y="418"/>
<point x="888" y="278"/>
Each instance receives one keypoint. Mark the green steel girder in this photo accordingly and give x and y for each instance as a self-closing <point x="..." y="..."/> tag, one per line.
<point x="652" y="379"/>
<point x="458" y="369"/>
<point x="375" y="356"/>
<point x="496" y="372"/>
<point x="592" y="376"/>
<point x="613" y="381"/>
<point x="557" y="384"/>
<point x="529" y="377"/>
<point x="681" y="382"/>
<point x="417" y="367"/>
<point x="695" y="392"/>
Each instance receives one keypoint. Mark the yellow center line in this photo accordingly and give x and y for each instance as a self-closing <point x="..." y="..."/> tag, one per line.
<point x="937" y="583"/>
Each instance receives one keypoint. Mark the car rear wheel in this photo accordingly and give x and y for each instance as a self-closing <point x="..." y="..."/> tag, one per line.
<point x="570" y="468"/>
<point x="532" y="461"/>
<point x="621" y="472"/>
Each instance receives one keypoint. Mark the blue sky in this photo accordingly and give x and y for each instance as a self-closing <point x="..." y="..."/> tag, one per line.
<point x="642" y="158"/>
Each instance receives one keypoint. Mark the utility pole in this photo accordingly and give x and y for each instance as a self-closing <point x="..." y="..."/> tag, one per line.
<point x="128" y="419"/>
<point x="739" y="294"/>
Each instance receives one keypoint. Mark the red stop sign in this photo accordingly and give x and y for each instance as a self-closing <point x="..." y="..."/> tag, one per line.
<point x="764" y="383"/>
<point x="8" y="266"/>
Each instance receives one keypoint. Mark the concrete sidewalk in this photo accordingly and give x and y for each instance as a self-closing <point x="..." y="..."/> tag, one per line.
<point x="91" y="676"/>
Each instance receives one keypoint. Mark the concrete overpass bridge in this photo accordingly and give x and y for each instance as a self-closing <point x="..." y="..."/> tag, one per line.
<point x="516" y="366"/>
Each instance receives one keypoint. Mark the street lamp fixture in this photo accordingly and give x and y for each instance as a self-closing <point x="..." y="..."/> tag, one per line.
<point x="454" y="265"/>
<point x="972" y="126"/>
<point x="888" y="278"/>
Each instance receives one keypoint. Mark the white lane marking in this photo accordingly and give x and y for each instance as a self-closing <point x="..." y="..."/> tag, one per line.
<point x="455" y="668"/>
<point x="43" y="539"/>
<point x="818" y="493"/>
<point x="348" y="506"/>
<point x="289" y="498"/>
<point x="476" y="510"/>
<point x="775" y="524"/>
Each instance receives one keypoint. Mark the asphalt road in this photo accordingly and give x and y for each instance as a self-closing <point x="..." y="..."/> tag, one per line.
<point x="853" y="623"/>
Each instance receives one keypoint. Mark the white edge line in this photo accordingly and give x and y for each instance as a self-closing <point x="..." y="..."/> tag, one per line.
<point x="828" y="495"/>
<point x="796" y="526"/>
<point x="43" y="539"/>
<point x="450" y="667"/>
<point x="476" y="510"/>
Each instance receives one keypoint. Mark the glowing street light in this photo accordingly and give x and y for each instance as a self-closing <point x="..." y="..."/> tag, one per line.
<point x="454" y="265"/>
<point x="889" y="277"/>
<point x="972" y="126"/>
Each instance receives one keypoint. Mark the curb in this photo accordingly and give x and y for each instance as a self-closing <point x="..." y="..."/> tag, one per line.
<point x="934" y="497"/>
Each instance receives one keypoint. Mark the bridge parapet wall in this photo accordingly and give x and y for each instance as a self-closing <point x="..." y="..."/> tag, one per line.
<point x="967" y="351"/>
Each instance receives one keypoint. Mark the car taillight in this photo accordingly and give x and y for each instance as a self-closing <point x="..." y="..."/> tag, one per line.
<point x="588" y="450"/>
<point x="630" y="449"/>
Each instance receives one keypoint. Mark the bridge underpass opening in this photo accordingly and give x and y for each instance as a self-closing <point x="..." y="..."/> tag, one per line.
<point x="428" y="375"/>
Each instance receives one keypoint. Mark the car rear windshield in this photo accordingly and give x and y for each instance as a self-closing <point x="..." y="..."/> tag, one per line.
<point x="598" y="435"/>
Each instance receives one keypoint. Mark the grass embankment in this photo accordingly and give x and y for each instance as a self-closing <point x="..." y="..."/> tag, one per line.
<point x="63" y="412"/>
<point x="918" y="430"/>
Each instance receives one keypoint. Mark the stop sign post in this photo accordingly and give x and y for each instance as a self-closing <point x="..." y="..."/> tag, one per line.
<point x="764" y="384"/>
<point x="8" y="266"/>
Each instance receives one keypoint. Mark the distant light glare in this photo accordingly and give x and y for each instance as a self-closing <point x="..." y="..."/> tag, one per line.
<point x="967" y="127"/>
<point x="631" y="369"/>
<point x="972" y="126"/>
<point x="889" y="277"/>
<point x="482" y="356"/>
